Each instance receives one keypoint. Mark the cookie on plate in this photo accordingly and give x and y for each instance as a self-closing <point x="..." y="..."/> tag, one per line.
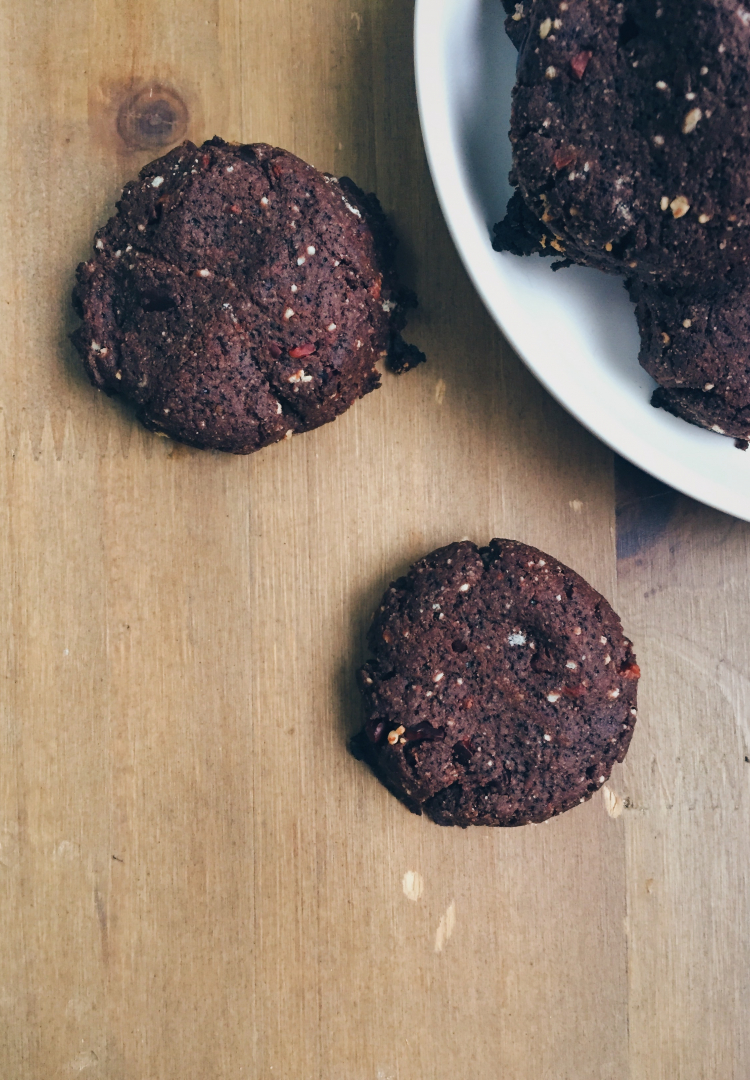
<point x="630" y="134"/>
<point x="502" y="689"/>
<point x="239" y="296"/>
<point x="696" y="344"/>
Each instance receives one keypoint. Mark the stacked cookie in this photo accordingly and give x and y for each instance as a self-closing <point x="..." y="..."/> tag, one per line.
<point x="631" y="133"/>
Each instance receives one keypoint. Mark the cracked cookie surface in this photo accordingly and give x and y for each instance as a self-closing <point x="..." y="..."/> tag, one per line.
<point x="502" y="689"/>
<point x="239" y="296"/>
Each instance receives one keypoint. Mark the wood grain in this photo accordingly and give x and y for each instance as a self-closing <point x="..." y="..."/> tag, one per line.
<point x="684" y="593"/>
<point x="197" y="882"/>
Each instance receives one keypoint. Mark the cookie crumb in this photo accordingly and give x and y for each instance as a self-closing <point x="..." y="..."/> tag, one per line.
<point x="412" y="885"/>
<point x="613" y="804"/>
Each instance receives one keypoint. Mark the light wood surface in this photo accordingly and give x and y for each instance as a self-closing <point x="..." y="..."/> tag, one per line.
<point x="197" y="882"/>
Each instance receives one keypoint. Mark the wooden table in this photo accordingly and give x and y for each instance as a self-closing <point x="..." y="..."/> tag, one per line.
<point x="197" y="882"/>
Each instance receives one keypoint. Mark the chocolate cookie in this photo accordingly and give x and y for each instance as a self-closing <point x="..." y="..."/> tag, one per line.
<point x="502" y="690"/>
<point x="239" y="296"/>
<point x="630" y="135"/>
<point x="695" y="343"/>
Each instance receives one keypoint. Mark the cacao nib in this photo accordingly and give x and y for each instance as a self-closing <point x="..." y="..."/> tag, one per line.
<point x="375" y="729"/>
<point x="424" y="731"/>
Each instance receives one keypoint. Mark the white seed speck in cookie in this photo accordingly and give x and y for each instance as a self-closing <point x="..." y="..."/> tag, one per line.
<point x="691" y="121"/>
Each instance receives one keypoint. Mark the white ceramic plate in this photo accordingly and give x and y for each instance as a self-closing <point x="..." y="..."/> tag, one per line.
<point x="575" y="329"/>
